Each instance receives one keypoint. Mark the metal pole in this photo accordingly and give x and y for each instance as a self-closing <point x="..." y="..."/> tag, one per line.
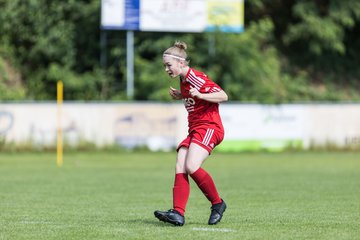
<point x="103" y="43"/>
<point x="211" y="45"/>
<point x="130" y="64"/>
<point x="211" y="48"/>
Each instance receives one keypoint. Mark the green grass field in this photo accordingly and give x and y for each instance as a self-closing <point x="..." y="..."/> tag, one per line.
<point x="113" y="196"/>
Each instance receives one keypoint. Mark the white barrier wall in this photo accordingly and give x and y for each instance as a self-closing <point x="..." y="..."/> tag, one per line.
<point x="256" y="127"/>
<point x="130" y="125"/>
<point x="162" y="126"/>
<point x="337" y="124"/>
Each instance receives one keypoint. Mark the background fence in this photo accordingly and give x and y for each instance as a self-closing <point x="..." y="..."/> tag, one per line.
<point x="161" y="126"/>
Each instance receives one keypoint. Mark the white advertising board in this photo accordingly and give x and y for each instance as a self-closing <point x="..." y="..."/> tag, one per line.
<point x="112" y="13"/>
<point x="248" y="127"/>
<point x="173" y="15"/>
<point x="262" y="126"/>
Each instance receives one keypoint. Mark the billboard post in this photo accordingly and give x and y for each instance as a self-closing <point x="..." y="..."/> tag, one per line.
<point x="130" y="64"/>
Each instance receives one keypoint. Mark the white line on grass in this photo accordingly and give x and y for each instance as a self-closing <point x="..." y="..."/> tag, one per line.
<point x="35" y="222"/>
<point x="213" y="229"/>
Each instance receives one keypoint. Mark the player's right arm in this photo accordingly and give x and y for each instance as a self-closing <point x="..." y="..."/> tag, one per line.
<point x="213" y="94"/>
<point x="214" y="97"/>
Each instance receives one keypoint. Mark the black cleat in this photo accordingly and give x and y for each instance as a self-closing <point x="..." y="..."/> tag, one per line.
<point x="171" y="216"/>
<point x="217" y="211"/>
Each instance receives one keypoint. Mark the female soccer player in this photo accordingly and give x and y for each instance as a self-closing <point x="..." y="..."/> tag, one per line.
<point x="201" y="97"/>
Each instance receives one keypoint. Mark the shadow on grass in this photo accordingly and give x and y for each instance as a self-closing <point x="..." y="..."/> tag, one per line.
<point x="150" y="222"/>
<point x="158" y="223"/>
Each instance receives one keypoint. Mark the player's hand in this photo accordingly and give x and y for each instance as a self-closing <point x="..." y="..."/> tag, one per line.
<point x="195" y="93"/>
<point x="175" y="94"/>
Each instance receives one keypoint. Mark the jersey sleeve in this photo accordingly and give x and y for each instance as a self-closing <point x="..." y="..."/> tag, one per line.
<point x="210" y="87"/>
<point x="201" y="82"/>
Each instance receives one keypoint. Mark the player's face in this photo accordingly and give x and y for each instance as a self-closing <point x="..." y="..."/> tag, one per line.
<point x="173" y="67"/>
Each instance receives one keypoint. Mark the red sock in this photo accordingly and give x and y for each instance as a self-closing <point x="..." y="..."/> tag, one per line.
<point x="207" y="185"/>
<point x="181" y="192"/>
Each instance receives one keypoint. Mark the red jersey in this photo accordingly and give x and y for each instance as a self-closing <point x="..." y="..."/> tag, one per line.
<point x="201" y="113"/>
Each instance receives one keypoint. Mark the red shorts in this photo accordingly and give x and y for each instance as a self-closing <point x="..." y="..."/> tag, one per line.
<point x="207" y="138"/>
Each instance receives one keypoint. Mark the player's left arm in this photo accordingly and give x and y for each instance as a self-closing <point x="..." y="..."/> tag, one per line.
<point x="214" y="97"/>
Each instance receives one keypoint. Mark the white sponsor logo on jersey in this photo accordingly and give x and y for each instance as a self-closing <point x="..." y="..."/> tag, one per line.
<point x="189" y="104"/>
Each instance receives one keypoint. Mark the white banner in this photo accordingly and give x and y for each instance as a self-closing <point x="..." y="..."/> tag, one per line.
<point x="256" y="127"/>
<point x="263" y="121"/>
<point x="173" y="15"/>
<point x="112" y="13"/>
<point x="162" y="126"/>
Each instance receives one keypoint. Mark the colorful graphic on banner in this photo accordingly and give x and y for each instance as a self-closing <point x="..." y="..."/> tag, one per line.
<point x="225" y="16"/>
<point x="151" y="127"/>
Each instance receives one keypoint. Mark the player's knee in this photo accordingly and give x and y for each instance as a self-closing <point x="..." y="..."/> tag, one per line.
<point x="191" y="168"/>
<point x="180" y="168"/>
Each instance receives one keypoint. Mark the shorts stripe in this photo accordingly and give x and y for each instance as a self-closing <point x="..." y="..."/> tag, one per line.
<point x="208" y="135"/>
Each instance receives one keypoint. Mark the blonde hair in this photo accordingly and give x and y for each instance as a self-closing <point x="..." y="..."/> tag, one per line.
<point x="177" y="51"/>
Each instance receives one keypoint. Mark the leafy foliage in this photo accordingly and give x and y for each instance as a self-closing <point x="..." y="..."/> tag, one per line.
<point x="290" y="51"/>
<point x="10" y="82"/>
